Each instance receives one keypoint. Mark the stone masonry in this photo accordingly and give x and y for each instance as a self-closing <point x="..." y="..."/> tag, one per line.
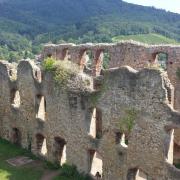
<point x="124" y="123"/>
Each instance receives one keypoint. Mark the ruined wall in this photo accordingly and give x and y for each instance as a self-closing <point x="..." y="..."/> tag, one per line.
<point x="121" y="126"/>
<point x="135" y="55"/>
<point x="145" y="93"/>
<point x="5" y="70"/>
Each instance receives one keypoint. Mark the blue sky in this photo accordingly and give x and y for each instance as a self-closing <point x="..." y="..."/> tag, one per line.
<point x="169" y="5"/>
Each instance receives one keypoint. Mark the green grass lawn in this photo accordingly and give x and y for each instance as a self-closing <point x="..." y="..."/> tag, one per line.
<point x="8" y="172"/>
<point x="147" y="38"/>
<point x="32" y="171"/>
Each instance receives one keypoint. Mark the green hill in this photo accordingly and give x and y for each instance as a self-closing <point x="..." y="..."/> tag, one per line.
<point x="146" y="38"/>
<point x="25" y="25"/>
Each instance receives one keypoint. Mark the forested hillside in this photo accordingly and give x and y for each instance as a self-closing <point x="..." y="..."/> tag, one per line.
<point x="26" y="24"/>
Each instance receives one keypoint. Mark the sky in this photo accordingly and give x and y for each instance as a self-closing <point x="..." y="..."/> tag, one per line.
<point x="169" y="5"/>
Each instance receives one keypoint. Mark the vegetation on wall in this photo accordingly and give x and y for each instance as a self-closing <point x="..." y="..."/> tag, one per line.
<point x="127" y="122"/>
<point x="62" y="70"/>
<point x="48" y="64"/>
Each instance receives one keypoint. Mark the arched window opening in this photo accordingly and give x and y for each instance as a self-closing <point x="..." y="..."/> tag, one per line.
<point x="92" y="125"/>
<point x="161" y="59"/>
<point x="173" y="146"/>
<point x="10" y="72"/>
<point x="95" y="126"/>
<point x="88" y="62"/>
<point x="40" y="107"/>
<point x="106" y="60"/>
<point x="38" y="75"/>
<point x="95" y="164"/>
<point x="16" y="136"/>
<point x="121" y="138"/>
<point x="15" y="98"/>
<point x="65" y="54"/>
<point x="136" y="174"/>
<point x="41" y="144"/>
<point x="68" y="55"/>
<point x="29" y="141"/>
<point x="83" y="59"/>
<point x="99" y="56"/>
<point x="60" y="150"/>
<point x="98" y="123"/>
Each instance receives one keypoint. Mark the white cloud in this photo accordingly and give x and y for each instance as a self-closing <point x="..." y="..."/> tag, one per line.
<point x="169" y="5"/>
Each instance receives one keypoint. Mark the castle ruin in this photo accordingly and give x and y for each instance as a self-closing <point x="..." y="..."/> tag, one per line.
<point x="124" y="122"/>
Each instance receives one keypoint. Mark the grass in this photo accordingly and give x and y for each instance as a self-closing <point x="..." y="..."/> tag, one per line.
<point x="146" y="38"/>
<point x="8" y="172"/>
<point x="32" y="172"/>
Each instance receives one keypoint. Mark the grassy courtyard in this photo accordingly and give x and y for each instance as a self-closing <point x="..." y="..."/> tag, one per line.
<point x="9" y="172"/>
<point x="36" y="170"/>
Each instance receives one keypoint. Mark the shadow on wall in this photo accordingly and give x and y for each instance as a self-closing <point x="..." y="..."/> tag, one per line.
<point x="41" y="145"/>
<point x="60" y="150"/>
<point x="16" y="136"/>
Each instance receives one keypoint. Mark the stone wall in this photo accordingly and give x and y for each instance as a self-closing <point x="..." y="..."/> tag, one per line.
<point x="133" y="54"/>
<point x="124" y="126"/>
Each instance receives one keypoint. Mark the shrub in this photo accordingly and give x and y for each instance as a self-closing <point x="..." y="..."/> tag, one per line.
<point x="48" y="64"/>
<point x="62" y="70"/>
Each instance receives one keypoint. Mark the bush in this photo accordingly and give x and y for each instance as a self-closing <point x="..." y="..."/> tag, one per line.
<point x="62" y="70"/>
<point x="48" y="64"/>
